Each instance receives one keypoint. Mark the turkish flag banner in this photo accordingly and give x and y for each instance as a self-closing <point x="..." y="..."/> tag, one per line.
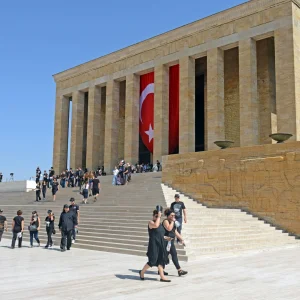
<point x="147" y="109"/>
<point x="174" y="109"/>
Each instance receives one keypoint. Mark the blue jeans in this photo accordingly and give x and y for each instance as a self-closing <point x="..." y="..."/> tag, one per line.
<point x="63" y="183"/>
<point x="35" y="235"/>
<point x="114" y="181"/>
<point x="179" y="228"/>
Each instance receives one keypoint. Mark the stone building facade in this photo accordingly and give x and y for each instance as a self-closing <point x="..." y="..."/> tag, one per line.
<point x="248" y="58"/>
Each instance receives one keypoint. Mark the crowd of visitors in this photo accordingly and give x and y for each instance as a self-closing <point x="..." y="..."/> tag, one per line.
<point x="68" y="222"/>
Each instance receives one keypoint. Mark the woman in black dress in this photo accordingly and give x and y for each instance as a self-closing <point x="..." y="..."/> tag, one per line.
<point x="172" y="233"/>
<point x="157" y="252"/>
<point x="55" y="187"/>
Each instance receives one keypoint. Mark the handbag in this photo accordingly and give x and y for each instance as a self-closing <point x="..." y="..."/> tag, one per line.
<point x="54" y="231"/>
<point x="32" y="228"/>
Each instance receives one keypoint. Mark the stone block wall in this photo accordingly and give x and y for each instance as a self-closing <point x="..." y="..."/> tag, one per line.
<point x="263" y="179"/>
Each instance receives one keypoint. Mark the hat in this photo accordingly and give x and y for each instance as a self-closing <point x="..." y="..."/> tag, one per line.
<point x="66" y="206"/>
<point x="177" y="196"/>
<point x="72" y="200"/>
<point x="1" y="210"/>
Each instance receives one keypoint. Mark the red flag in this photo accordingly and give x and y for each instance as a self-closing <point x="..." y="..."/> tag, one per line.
<point x="147" y="109"/>
<point x="174" y="109"/>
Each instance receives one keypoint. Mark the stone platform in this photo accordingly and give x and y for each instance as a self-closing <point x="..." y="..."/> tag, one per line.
<point x="83" y="274"/>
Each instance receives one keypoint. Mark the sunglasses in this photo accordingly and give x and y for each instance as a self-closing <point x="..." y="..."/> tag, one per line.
<point x="156" y="216"/>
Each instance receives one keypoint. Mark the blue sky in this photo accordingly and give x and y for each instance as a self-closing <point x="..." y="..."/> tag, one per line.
<point x="41" y="38"/>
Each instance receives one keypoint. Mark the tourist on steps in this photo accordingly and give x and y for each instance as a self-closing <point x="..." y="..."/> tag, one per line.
<point x="34" y="228"/>
<point x="17" y="229"/>
<point x="95" y="187"/>
<point x="50" y="228"/>
<point x="178" y="207"/>
<point x="171" y="232"/>
<point x="85" y="192"/>
<point x="157" y="252"/>
<point x="38" y="192"/>
<point x="67" y="222"/>
<point x="55" y="188"/>
<point x="75" y="209"/>
<point x="3" y="224"/>
<point x="44" y="189"/>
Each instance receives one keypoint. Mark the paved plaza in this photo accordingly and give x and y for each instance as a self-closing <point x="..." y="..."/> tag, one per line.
<point x="83" y="274"/>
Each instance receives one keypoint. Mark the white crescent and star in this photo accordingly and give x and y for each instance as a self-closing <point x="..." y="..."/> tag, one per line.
<point x="149" y="89"/>
<point x="150" y="133"/>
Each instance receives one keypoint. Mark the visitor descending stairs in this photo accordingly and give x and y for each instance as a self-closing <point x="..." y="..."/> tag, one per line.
<point x="211" y="231"/>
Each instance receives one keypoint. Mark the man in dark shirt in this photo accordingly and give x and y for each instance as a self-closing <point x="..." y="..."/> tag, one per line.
<point x="67" y="222"/>
<point x="95" y="188"/>
<point x="3" y="224"/>
<point x="75" y="209"/>
<point x="51" y="175"/>
<point x="1" y="177"/>
<point x="178" y="207"/>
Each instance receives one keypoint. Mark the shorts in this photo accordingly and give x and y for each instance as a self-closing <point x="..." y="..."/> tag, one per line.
<point x="85" y="193"/>
<point x="54" y="192"/>
<point x="95" y="191"/>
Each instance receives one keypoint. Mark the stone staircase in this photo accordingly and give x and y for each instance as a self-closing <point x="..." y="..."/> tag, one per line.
<point x="117" y="222"/>
<point x="211" y="231"/>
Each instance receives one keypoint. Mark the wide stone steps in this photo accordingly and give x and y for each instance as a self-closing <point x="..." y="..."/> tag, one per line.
<point x="211" y="230"/>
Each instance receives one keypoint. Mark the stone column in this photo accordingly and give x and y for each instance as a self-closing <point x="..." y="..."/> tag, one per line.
<point x="287" y="68"/>
<point x="77" y="129"/>
<point x="93" y="132"/>
<point x="249" y="106"/>
<point x="131" y="151"/>
<point x="161" y="115"/>
<point x="111" y="125"/>
<point x="187" y="105"/>
<point x="215" y="98"/>
<point x="61" y="131"/>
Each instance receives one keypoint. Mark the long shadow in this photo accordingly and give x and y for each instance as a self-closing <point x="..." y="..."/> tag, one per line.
<point x="149" y="272"/>
<point x="131" y="277"/>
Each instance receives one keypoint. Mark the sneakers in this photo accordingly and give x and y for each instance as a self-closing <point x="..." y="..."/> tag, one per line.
<point x="63" y="250"/>
<point x="46" y="246"/>
<point x="39" y="245"/>
<point x="182" y="273"/>
<point x="50" y="246"/>
<point x="31" y="246"/>
<point x="73" y="241"/>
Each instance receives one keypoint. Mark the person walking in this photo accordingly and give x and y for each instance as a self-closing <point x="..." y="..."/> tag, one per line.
<point x="50" y="228"/>
<point x="17" y="229"/>
<point x="115" y="176"/>
<point x="178" y="207"/>
<point x="38" y="192"/>
<point x="157" y="252"/>
<point x="55" y="188"/>
<point x="171" y="232"/>
<point x="85" y="192"/>
<point x="75" y="209"/>
<point x="3" y="224"/>
<point x="1" y="177"/>
<point x="34" y="228"/>
<point x="51" y="175"/>
<point x="67" y="222"/>
<point x="95" y="188"/>
<point x="44" y="189"/>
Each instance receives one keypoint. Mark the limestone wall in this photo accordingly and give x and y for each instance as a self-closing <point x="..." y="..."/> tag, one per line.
<point x="264" y="179"/>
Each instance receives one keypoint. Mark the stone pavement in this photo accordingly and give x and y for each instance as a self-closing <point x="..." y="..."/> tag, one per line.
<point x="84" y="274"/>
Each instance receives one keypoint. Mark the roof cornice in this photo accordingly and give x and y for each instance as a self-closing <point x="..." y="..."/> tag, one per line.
<point x="206" y="23"/>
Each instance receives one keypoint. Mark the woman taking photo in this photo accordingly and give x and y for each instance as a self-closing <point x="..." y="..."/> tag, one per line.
<point x="157" y="252"/>
<point x="17" y="229"/>
<point x="34" y="228"/>
<point x="50" y="228"/>
<point x="55" y="187"/>
<point x="172" y="233"/>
